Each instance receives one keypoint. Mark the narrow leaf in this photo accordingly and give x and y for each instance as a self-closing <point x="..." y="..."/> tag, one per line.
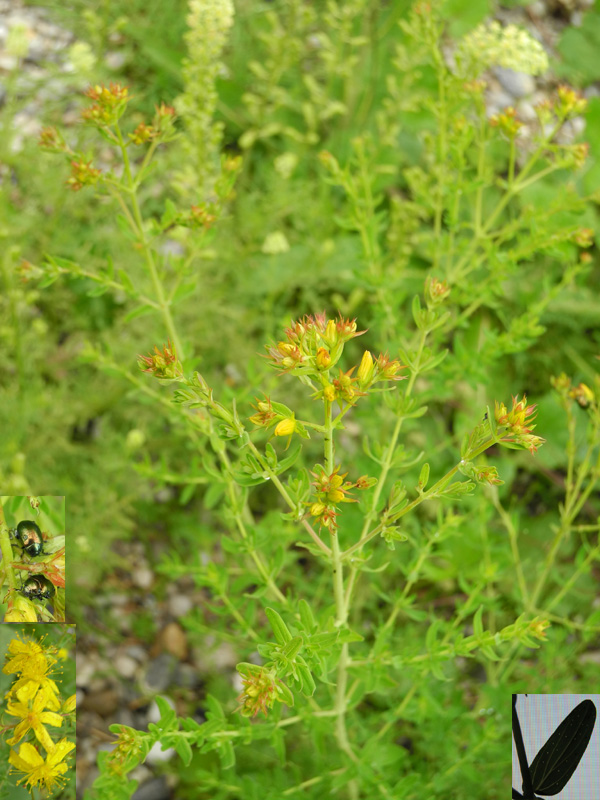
<point x="292" y="648"/>
<point x="307" y="680"/>
<point x="280" y="629"/>
<point x="306" y="615"/>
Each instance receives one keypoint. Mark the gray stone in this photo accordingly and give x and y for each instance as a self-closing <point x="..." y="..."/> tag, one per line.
<point x="517" y="84"/>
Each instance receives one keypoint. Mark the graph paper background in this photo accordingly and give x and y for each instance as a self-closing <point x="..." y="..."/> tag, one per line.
<point x="539" y="715"/>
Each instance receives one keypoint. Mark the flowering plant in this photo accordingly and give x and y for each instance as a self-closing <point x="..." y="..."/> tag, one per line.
<point x="356" y="540"/>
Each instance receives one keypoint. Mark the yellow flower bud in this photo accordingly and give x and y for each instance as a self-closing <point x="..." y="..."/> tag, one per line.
<point x="323" y="358"/>
<point x="365" y="370"/>
<point x="23" y="610"/>
<point x="331" y="332"/>
<point x="69" y="705"/>
<point x="317" y="509"/>
<point x="329" y="393"/>
<point x="285" y="348"/>
<point x="285" y="427"/>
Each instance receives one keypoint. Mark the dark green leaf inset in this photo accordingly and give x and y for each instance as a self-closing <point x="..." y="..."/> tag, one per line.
<point x="558" y="759"/>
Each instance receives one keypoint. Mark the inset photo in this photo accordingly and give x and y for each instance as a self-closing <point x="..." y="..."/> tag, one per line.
<point x="37" y="711"/>
<point x="555" y="746"/>
<point x="32" y="570"/>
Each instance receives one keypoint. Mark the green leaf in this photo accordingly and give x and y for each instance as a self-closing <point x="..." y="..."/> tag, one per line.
<point x="97" y="291"/>
<point x="320" y="640"/>
<point x="346" y="636"/>
<point x="126" y="282"/>
<point x="489" y="653"/>
<point x="292" y="648"/>
<point x="433" y="362"/>
<point x="477" y="622"/>
<point x="285" y="694"/>
<point x="280" y="629"/>
<point x="307" y="680"/>
<point x="139" y="311"/>
<point x="183" y="749"/>
<point x="289" y="460"/>
<point x="306" y="616"/>
<point x="167" y="715"/>
<point x="417" y="311"/>
<point x="170" y="214"/>
<point x="227" y="755"/>
<point x="424" y="476"/>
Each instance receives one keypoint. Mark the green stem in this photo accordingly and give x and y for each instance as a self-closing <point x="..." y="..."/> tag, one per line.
<point x="283" y="492"/>
<point x="232" y="491"/>
<point x="514" y="187"/>
<point x="385" y="467"/>
<point x="341" y="608"/>
<point x="148" y="255"/>
<point x="6" y="548"/>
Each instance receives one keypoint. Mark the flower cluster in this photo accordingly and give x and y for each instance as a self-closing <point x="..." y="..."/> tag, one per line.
<point x="436" y="292"/>
<point x="582" y="393"/>
<point x="314" y="345"/>
<point x="514" y="426"/>
<point x="108" y="106"/>
<point x="82" y="174"/>
<point x="51" y="139"/>
<point x="261" y="689"/>
<point x="34" y="698"/>
<point x="162" y="128"/>
<point x="492" y="45"/>
<point x="508" y="122"/>
<point x="569" y="103"/>
<point x="330" y="490"/>
<point x="163" y="364"/>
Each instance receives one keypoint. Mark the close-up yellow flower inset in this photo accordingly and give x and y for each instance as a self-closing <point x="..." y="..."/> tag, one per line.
<point x="38" y="717"/>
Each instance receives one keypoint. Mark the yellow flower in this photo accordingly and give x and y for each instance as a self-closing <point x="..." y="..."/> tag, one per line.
<point x="28" y="658"/>
<point x="27" y="688"/>
<point x="329" y="393"/>
<point x="40" y="772"/>
<point x="34" y="719"/>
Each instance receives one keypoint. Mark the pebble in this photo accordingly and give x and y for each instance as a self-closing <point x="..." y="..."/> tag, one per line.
<point x="159" y="672"/>
<point x="157" y="755"/>
<point x="517" y="84"/>
<point x="153" y="789"/>
<point x="115" y="60"/>
<point x="103" y="703"/>
<point x="172" y="639"/>
<point x="179" y="605"/>
<point x="537" y="9"/>
<point x="125" y="666"/>
<point x="143" y="577"/>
